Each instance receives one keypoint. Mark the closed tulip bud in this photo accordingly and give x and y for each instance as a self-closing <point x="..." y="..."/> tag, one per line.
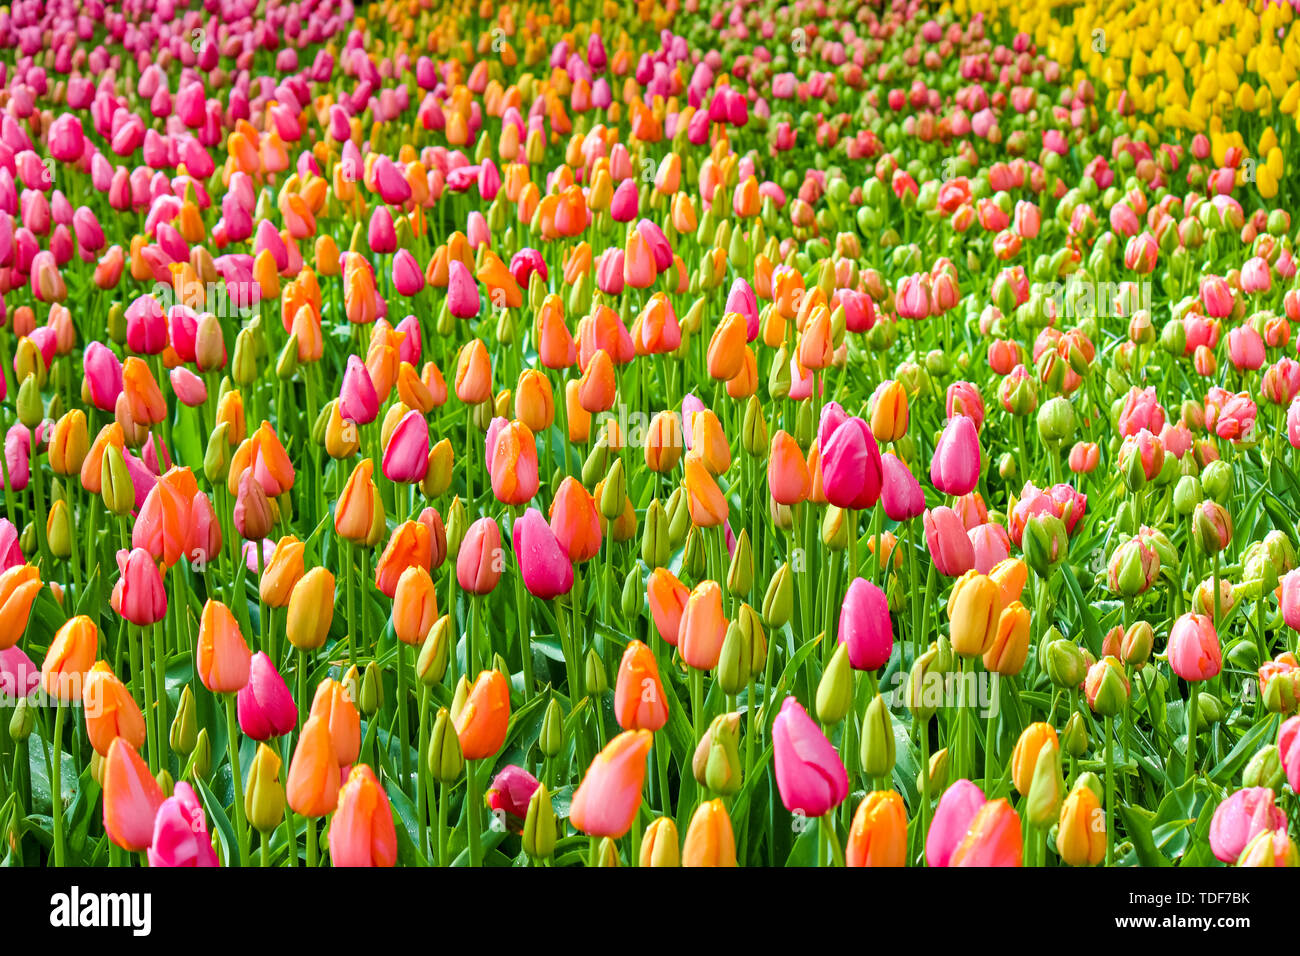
<point x="1264" y="769"/>
<point x="183" y="734"/>
<point x="778" y="600"/>
<point x="630" y="597"/>
<point x="58" y="530"/>
<point x="597" y="462"/>
<point x="263" y="791"/>
<point x="1217" y="480"/>
<point x="1010" y="646"/>
<point x="607" y="854"/>
<point x="1137" y="643"/>
<point x="1212" y="526"/>
<point x="938" y="772"/>
<point x="435" y="653"/>
<point x="655" y="547"/>
<point x="733" y="672"/>
<point x="1056" y="424"/>
<point x="117" y="489"/>
<point x="1074" y="738"/>
<point x="446" y="762"/>
<point x="1065" y="664"/>
<point x="835" y="690"/>
<point x="596" y="681"/>
<point x="695" y="554"/>
<point x="370" y="695"/>
<point x="1045" y="542"/>
<point x="922" y="693"/>
<point x="613" y="492"/>
<point x="1027" y="753"/>
<point x="740" y="573"/>
<point x="754" y="438"/>
<point x="679" y="517"/>
<point x="1187" y="495"/>
<point x="1106" y="688"/>
<point x="716" y="763"/>
<point x="23" y="720"/>
<point x="878" y="748"/>
<point x="30" y="408"/>
<point x="660" y="845"/>
<point x="70" y="443"/>
<point x="550" y="739"/>
<point x="539" y="832"/>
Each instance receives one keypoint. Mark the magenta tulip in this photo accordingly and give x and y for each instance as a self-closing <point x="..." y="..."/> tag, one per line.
<point x="180" y="832"/>
<point x="955" y="467"/>
<point x="809" y="773"/>
<point x="865" y="626"/>
<point x="406" y="459"/>
<point x="266" y="708"/>
<point x="900" y="492"/>
<point x="852" y="472"/>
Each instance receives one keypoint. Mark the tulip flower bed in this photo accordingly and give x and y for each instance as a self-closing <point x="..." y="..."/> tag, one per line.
<point x="710" y="433"/>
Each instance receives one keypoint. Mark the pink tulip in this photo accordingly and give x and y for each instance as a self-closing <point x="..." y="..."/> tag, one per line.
<point x="852" y="470"/>
<point x="623" y="205"/>
<point x="1255" y="276"/>
<point x="189" y="388"/>
<point x="865" y="626"/>
<point x="510" y="792"/>
<point x="180" y="832"/>
<point x="1288" y="748"/>
<point x="546" y="569"/>
<point x="1194" y="652"/>
<point x="358" y="401"/>
<point x="408" y="280"/>
<point x="955" y="467"/>
<point x="950" y="547"/>
<point x="103" y="376"/>
<point x="381" y="234"/>
<point x="19" y="675"/>
<point x="1290" y="602"/>
<point x="139" y="596"/>
<point x="462" y="291"/>
<point x="990" y="545"/>
<point x="1246" y="348"/>
<point x="809" y="774"/>
<point x="1242" y="817"/>
<point x="266" y="708"/>
<point x="18" y="457"/>
<point x="478" y="565"/>
<point x="952" y="818"/>
<point x="406" y="459"/>
<point x="901" y="494"/>
<point x="11" y="554"/>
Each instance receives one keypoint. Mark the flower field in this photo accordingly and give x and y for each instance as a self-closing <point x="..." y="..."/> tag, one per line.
<point x="671" y="433"/>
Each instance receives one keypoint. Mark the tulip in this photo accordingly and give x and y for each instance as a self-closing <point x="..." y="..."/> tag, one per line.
<point x="958" y="807"/>
<point x="546" y="569"/>
<point x="132" y="798"/>
<point x="479" y="564"/>
<point x="851" y="466"/>
<point x="223" y="659"/>
<point x="878" y="834"/>
<point x="809" y="774"/>
<point x="313" y="785"/>
<point x="1242" y="817"/>
<point x="265" y="706"/>
<point x="180" y="832"/>
<point x="19" y="585"/>
<point x="993" y="838"/>
<point x="71" y="654"/>
<point x="709" y="839"/>
<point x="511" y="791"/>
<point x="1194" y="653"/>
<point x="609" y="796"/>
<point x="311" y="610"/>
<point x="482" y="718"/>
<point x="362" y="831"/>
<point x="865" y="627"/>
<point x="639" y="701"/>
<point x="703" y="627"/>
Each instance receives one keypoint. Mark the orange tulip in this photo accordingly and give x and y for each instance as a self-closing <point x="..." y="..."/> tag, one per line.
<point x="283" y="572"/>
<point x="745" y="382"/>
<point x="639" y="701"/>
<point x="606" y="802"/>
<point x="667" y="597"/>
<point x="727" y="347"/>
<point x="815" y="345"/>
<point x="787" y="472"/>
<point x="710" y="840"/>
<point x="512" y="462"/>
<point x="409" y="547"/>
<point x="1024" y="758"/>
<point x="663" y="442"/>
<point x="223" y="657"/>
<point x="110" y="710"/>
<point x="313" y="786"/>
<point x="131" y="797"/>
<point x="71" y="654"/>
<point x="889" y="413"/>
<point x="709" y="442"/>
<point x="354" y="514"/>
<point x="415" y="606"/>
<point x="878" y="835"/>
<point x="141" y="397"/>
<point x="598" y="385"/>
<point x="534" y="400"/>
<point x="473" y="373"/>
<point x="18" y="589"/>
<point x="362" y="832"/>
<point x="92" y="464"/>
<point x="555" y="345"/>
<point x="333" y="705"/>
<point x="575" y="520"/>
<point x="708" y="505"/>
<point x="703" y="627"/>
<point x="482" y="719"/>
<point x="579" y="417"/>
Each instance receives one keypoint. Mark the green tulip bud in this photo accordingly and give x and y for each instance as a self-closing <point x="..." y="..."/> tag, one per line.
<point x="694" y="555"/>
<point x="835" y="690"/>
<point x="938" y="772"/>
<point x="435" y="653"/>
<point x="550" y="739"/>
<point x="1074" y="738"/>
<point x="446" y="760"/>
<point x="30" y="407"/>
<point x="200" y="762"/>
<point x="613" y="494"/>
<point x="923" y="691"/>
<point x="597" y="463"/>
<point x="116" y="487"/>
<point x="733" y="671"/>
<point x="1264" y="769"/>
<point x="1065" y="664"/>
<point x="754" y="436"/>
<point x="1046" y="790"/>
<point x="184" y="728"/>
<point x="216" y="457"/>
<point x="23" y="720"/>
<point x="740" y="573"/>
<point x="594" y="674"/>
<point x="1045" y="543"/>
<point x="655" y="545"/>
<point x="716" y="763"/>
<point x="1056" y="423"/>
<point x="778" y="600"/>
<point x="679" y="517"/>
<point x="540" y="828"/>
<point x="877" y="750"/>
<point x="1216" y="481"/>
